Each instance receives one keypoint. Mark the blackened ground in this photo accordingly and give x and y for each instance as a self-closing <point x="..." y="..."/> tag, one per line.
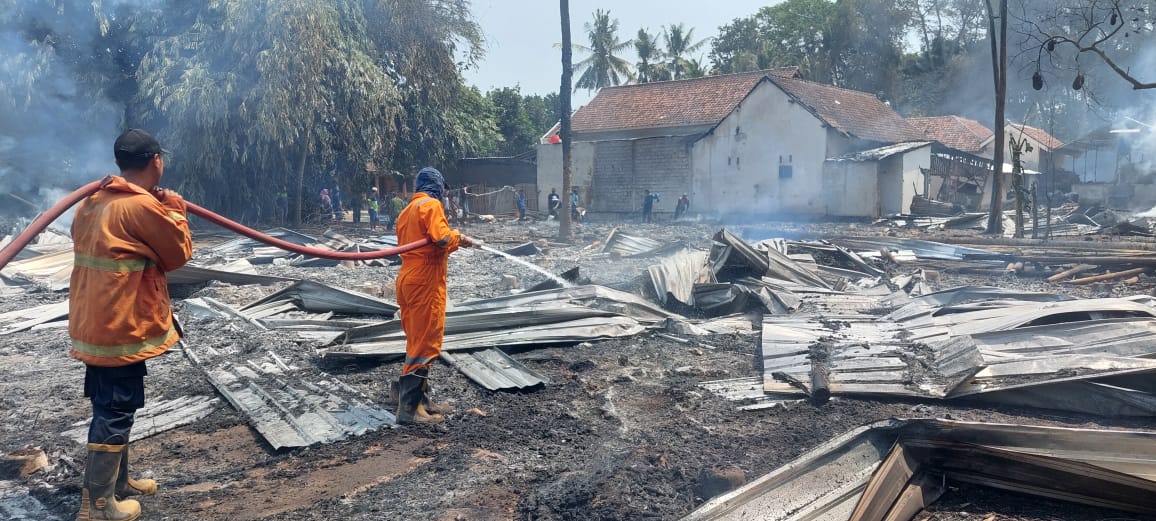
<point x="618" y="433"/>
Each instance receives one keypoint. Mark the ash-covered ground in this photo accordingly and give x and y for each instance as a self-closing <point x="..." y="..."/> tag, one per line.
<point x="618" y="433"/>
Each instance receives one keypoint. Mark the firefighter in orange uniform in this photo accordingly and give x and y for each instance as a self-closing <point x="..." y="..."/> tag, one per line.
<point x="126" y="237"/>
<point x="421" y="294"/>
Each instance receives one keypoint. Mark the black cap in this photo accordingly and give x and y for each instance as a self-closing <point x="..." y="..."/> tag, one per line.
<point x="137" y="144"/>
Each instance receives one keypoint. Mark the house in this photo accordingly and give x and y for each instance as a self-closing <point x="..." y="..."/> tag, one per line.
<point x="1042" y="157"/>
<point x="961" y="164"/>
<point x="756" y="143"/>
<point x="1113" y="165"/>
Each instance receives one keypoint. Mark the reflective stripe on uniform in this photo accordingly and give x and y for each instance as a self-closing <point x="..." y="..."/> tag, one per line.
<point x="123" y="350"/>
<point x="420" y="361"/>
<point x="114" y="265"/>
<point x="176" y="216"/>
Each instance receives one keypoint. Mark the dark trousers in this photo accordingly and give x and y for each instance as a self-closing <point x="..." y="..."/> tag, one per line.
<point x="116" y="394"/>
<point x="646" y="214"/>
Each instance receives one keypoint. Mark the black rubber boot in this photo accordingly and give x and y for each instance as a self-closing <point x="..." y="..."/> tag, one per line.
<point x="98" y="497"/>
<point x="427" y="401"/>
<point x="410" y="409"/>
<point x="126" y="486"/>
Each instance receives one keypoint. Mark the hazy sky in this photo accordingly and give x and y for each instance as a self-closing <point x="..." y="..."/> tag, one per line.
<point x="522" y="34"/>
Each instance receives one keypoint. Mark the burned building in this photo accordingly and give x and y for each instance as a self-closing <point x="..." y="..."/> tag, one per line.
<point x="754" y="144"/>
<point x="1114" y="165"/>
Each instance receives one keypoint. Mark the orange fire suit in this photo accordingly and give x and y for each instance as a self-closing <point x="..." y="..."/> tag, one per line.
<point x="125" y="240"/>
<point x="421" y="282"/>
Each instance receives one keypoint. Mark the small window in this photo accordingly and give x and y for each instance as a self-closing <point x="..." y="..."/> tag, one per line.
<point x="786" y="171"/>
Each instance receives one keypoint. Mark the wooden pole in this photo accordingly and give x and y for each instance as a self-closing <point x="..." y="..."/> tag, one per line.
<point x="1111" y="276"/>
<point x="1079" y="268"/>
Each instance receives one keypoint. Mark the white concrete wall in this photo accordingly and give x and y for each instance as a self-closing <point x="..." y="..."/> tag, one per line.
<point x="736" y="167"/>
<point x="550" y="170"/>
<point x="854" y="188"/>
<point x="1030" y="160"/>
<point x="913" y="177"/>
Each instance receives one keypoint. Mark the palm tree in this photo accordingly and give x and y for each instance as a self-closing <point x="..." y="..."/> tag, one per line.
<point x="603" y="67"/>
<point x="677" y="39"/>
<point x="694" y="68"/>
<point x="649" y="67"/>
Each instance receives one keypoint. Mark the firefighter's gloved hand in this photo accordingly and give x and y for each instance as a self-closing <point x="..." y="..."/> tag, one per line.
<point x="171" y="200"/>
<point x="470" y="242"/>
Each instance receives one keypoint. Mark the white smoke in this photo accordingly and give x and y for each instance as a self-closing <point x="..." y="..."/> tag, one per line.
<point x="57" y="130"/>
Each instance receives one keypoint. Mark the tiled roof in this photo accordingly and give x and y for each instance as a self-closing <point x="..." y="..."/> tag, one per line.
<point x="1040" y="135"/>
<point x="965" y="135"/>
<point x="856" y="113"/>
<point x="678" y="103"/>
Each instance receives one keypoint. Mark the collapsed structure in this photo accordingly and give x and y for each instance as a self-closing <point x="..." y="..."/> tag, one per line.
<point x="841" y="318"/>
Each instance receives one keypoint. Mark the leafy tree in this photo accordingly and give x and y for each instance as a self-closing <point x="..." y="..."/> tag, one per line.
<point x="739" y="46"/>
<point x="522" y="119"/>
<point x="283" y="91"/>
<point x="679" y="43"/>
<point x="864" y="45"/>
<point x="792" y="33"/>
<point x="649" y="67"/>
<point x="603" y="67"/>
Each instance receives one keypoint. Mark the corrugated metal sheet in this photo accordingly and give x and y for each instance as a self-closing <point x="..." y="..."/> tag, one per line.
<point x="874" y="469"/>
<point x="322" y="298"/>
<point x="495" y="370"/>
<point x="625" y="245"/>
<point x="25" y="319"/>
<point x="156" y="417"/>
<point x="289" y="406"/>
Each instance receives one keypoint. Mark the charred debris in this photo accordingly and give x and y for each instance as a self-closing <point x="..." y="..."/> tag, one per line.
<point x="840" y="318"/>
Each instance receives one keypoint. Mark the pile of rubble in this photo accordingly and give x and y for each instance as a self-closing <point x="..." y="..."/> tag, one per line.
<point x="841" y="318"/>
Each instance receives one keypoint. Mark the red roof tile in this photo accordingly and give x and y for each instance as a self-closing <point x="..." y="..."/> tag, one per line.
<point x="678" y="103"/>
<point x="856" y="113"/>
<point x="1040" y="135"/>
<point x="965" y="135"/>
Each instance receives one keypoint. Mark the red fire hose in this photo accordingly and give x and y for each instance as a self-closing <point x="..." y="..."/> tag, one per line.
<point x="41" y="223"/>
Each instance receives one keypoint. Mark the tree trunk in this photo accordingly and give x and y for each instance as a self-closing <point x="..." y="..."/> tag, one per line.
<point x="564" y="221"/>
<point x="999" y="70"/>
<point x="298" y="209"/>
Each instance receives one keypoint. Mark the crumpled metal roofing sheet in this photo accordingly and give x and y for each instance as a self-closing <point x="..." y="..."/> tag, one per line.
<point x="676" y="276"/>
<point x="841" y="479"/>
<point x="922" y="249"/>
<point x="592" y="296"/>
<point x="567" y="332"/>
<point x="321" y="298"/>
<point x="630" y="246"/>
<point x="495" y="370"/>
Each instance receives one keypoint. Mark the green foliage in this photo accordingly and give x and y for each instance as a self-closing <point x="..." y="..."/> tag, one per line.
<point x="603" y="67"/>
<point x="282" y="92"/>
<point x="679" y="42"/>
<point x="792" y="33"/>
<point x="522" y="119"/>
<point x="649" y="67"/>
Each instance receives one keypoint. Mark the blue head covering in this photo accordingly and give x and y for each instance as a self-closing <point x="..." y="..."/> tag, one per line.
<point x="430" y="181"/>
